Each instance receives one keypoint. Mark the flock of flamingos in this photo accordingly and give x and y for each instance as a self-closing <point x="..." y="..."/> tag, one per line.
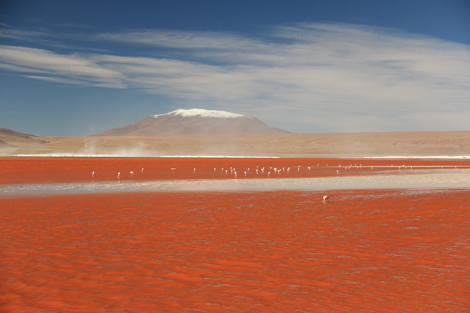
<point x="265" y="172"/>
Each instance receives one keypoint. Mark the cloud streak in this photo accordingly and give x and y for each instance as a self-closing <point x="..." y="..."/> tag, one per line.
<point x="303" y="77"/>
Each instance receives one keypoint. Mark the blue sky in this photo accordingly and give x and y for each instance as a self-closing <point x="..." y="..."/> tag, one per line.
<point x="73" y="68"/>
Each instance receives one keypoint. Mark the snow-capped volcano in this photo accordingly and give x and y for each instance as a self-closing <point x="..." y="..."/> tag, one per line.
<point x="203" y="113"/>
<point x="194" y="122"/>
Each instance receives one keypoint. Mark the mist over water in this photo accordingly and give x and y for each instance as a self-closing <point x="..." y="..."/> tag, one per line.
<point x="442" y="178"/>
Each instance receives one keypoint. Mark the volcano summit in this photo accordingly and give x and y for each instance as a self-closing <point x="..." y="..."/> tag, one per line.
<point x="194" y="122"/>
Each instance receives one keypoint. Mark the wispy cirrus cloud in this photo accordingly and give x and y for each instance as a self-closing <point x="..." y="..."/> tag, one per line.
<point x="184" y="39"/>
<point x="64" y="68"/>
<point x="326" y="77"/>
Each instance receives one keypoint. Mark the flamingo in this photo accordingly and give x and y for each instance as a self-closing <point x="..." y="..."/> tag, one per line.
<point x="245" y="173"/>
<point x="132" y="173"/>
<point x="235" y="173"/>
<point x="119" y="175"/>
<point x="142" y="170"/>
<point x="93" y="174"/>
<point x="194" y="170"/>
<point x="326" y="198"/>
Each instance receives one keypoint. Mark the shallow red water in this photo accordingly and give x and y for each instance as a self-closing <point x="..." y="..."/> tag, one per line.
<point x="283" y="251"/>
<point x="381" y="251"/>
<point x="20" y="170"/>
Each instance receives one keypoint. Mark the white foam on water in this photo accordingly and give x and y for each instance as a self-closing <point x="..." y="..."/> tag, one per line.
<point x="443" y="178"/>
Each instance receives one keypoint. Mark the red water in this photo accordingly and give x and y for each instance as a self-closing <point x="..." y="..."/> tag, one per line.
<point x="283" y="251"/>
<point x="19" y="170"/>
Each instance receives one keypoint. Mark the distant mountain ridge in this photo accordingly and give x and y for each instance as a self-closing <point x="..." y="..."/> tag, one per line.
<point x="10" y="138"/>
<point x="194" y="122"/>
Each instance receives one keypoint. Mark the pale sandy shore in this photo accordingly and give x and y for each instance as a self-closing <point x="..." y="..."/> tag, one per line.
<point x="397" y="144"/>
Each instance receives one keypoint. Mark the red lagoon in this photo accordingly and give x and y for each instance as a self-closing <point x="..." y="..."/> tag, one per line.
<point x="390" y="250"/>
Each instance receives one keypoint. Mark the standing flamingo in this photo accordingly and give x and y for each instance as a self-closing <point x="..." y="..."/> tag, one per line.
<point x="326" y="198"/>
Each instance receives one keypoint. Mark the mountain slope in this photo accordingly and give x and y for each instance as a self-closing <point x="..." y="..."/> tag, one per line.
<point x="194" y="122"/>
<point x="8" y="136"/>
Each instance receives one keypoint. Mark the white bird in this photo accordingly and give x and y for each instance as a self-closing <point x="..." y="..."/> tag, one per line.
<point x="93" y="174"/>
<point x="245" y="173"/>
<point x="235" y="173"/>
<point x="194" y="170"/>
<point x="132" y="173"/>
<point x="326" y="198"/>
<point x="337" y="172"/>
<point x="142" y="170"/>
<point x="269" y="173"/>
<point x="119" y="175"/>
